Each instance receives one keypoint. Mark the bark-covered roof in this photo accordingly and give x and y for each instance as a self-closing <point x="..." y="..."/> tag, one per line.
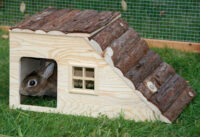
<point x="155" y="79"/>
<point x="67" y="20"/>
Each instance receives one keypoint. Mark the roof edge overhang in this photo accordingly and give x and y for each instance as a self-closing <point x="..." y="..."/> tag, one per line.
<point x="60" y="33"/>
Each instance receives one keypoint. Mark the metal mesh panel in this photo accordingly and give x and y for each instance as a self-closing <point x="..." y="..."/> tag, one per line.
<point x="158" y="19"/>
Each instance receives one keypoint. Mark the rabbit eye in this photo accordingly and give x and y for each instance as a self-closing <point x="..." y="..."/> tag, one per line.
<point x="32" y="83"/>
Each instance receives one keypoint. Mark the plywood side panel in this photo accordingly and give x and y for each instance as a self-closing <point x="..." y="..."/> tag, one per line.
<point x="112" y="97"/>
<point x="65" y="50"/>
<point x="14" y="98"/>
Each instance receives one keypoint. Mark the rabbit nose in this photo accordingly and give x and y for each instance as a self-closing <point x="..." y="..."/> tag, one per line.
<point x="31" y="94"/>
<point x="23" y="93"/>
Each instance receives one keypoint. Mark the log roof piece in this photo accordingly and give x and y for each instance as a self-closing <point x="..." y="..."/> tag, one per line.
<point x="125" y="51"/>
<point x="68" y="21"/>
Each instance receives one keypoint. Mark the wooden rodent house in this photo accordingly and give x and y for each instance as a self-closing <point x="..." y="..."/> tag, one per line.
<point x="103" y="66"/>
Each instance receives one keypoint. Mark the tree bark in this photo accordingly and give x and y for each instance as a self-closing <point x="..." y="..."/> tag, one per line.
<point x="169" y="92"/>
<point x="25" y="24"/>
<point x="177" y="107"/>
<point x="144" y="67"/>
<point x="133" y="56"/>
<point x="105" y="37"/>
<point x="155" y="80"/>
<point x="123" y="44"/>
<point x="48" y="19"/>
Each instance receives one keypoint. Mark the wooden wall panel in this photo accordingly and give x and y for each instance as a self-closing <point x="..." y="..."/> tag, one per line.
<point x="113" y="95"/>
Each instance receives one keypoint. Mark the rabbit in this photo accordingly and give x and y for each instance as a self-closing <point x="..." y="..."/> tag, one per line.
<point x="41" y="83"/>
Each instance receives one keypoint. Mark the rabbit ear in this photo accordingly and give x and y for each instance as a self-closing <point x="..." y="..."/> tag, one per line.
<point x="42" y="63"/>
<point x="48" y="71"/>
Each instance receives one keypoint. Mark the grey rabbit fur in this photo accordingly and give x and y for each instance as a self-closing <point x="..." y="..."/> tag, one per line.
<point x="42" y="82"/>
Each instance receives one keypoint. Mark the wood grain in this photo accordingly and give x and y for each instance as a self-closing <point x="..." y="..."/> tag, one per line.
<point x="5" y="28"/>
<point x="144" y="67"/>
<point x="110" y="33"/>
<point x="155" y="109"/>
<point x="161" y="75"/>
<point x="113" y="95"/>
<point x="102" y="19"/>
<point x="122" y="62"/>
<point x="75" y="23"/>
<point x="178" y="45"/>
<point x="182" y="46"/>
<point x="25" y="24"/>
<point x="48" y="19"/>
<point x="68" y="21"/>
<point x="55" y="24"/>
<point x="169" y="92"/>
<point x="132" y="57"/>
<point x="123" y="44"/>
<point x="177" y="107"/>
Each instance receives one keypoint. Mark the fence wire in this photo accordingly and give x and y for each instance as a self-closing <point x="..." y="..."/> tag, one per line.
<point x="158" y="19"/>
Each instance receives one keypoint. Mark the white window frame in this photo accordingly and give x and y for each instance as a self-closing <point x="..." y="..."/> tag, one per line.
<point x="82" y="91"/>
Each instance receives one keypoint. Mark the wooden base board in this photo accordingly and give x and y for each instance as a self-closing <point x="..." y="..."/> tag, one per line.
<point x="6" y="28"/>
<point x="182" y="46"/>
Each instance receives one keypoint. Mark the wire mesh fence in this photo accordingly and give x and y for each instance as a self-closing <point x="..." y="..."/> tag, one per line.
<point x="158" y="19"/>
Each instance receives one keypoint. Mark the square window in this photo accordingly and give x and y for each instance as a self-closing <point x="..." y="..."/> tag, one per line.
<point x="89" y="72"/>
<point x="83" y="79"/>
<point x="78" y="71"/>
<point x="78" y="83"/>
<point x="89" y="84"/>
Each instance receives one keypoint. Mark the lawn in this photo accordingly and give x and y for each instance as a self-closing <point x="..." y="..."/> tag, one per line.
<point x="31" y="124"/>
<point x="160" y="19"/>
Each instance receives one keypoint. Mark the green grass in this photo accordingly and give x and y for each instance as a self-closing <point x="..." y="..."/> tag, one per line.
<point x="32" y="124"/>
<point x="181" y="20"/>
<point x="40" y="101"/>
